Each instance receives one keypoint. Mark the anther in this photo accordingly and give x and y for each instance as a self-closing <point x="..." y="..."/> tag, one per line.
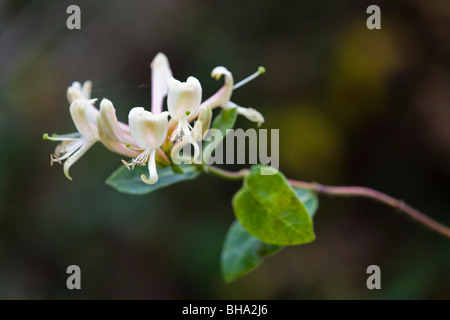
<point x="128" y="145"/>
<point x="260" y="71"/>
<point x="54" y="158"/>
<point x="126" y="164"/>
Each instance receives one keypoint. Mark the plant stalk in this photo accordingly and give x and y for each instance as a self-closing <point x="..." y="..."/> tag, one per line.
<point x="345" y="191"/>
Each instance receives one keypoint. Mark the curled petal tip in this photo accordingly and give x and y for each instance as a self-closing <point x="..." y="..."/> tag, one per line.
<point x="252" y="115"/>
<point x="66" y="171"/>
<point x="150" y="180"/>
<point x="217" y="72"/>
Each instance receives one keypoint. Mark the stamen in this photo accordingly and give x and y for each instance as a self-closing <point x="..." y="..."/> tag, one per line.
<point x="183" y="129"/>
<point x="134" y="148"/>
<point x="175" y="153"/>
<point x="140" y="160"/>
<point x="55" y="137"/>
<point x="126" y="164"/>
<point x="176" y="133"/>
<point x="54" y="158"/>
<point x="186" y="127"/>
<point x="66" y="149"/>
<point x="260" y="71"/>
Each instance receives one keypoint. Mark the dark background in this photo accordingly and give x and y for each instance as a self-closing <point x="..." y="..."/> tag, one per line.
<point x="354" y="107"/>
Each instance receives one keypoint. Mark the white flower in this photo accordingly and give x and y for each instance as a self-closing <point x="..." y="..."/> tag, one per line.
<point x="149" y="131"/>
<point x="223" y="96"/>
<point x="84" y="115"/>
<point x="183" y="99"/>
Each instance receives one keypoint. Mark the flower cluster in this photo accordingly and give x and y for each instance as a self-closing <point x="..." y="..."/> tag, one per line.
<point x="149" y="138"/>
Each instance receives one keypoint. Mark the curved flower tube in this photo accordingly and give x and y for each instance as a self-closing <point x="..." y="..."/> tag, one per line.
<point x="161" y="73"/>
<point x="114" y="135"/>
<point x="222" y="98"/>
<point x="224" y="94"/>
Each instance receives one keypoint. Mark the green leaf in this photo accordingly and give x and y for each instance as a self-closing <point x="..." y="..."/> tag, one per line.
<point x="309" y="199"/>
<point x="130" y="182"/>
<point x="225" y="120"/>
<point x="270" y="210"/>
<point x="242" y="252"/>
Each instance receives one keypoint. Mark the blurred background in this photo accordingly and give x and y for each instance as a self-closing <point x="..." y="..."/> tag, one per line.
<point x="354" y="107"/>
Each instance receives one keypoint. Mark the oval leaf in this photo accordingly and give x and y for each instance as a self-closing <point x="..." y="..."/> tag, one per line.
<point x="242" y="252"/>
<point x="130" y="182"/>
<point x="269" y="209"/>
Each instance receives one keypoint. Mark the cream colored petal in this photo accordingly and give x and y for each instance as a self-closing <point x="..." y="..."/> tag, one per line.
<point x="251" y="114"/>
<point x="153" y="174"/>
<point x="161" y="73"/>
<point x="113" y="145"/>
<point x="112" y="127"/>
<point x="86" y="89"/>
<point x="77" y="155"/>
<point x="183" y="98"/>
<point x="74" y="92"/>
<point x="84" y="116"/>
<point x="91" y="113"/>
<point x="224" y="94"/>
<point x="148" y="130"/>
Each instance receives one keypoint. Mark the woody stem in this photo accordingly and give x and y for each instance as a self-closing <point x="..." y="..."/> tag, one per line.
<point x="348" y="191"/>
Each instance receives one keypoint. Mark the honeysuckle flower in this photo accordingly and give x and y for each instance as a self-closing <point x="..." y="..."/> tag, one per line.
<point x="199" y="132"/>
<point x="148" y="130"/>
<point x="223" y="96"/>
<point x="183" y="99"/>
<point x="84" y="115"/>
<point x="114" y="134"/>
